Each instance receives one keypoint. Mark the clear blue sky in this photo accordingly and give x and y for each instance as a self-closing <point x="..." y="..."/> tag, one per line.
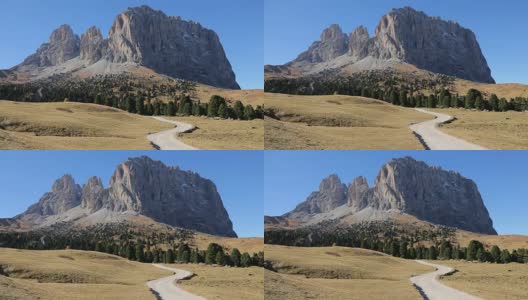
<point x="26" y="24"/>
<point x="290" y="176"/>
<point x="26" y="175"/>
<point x="500" y="26"/>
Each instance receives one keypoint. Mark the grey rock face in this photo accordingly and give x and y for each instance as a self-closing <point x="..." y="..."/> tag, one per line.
<point x="63" y="45"/>
<point x="92" y="194"/>
<point x="143" y="36"/>
<point x="171" y="46"/>
<point x="431" y="194"/>
<point x="359" y="42"/>
<point x="356" y="193"/>
<point x="333" y="43"/>
<point x="147" y="187"/>
<point x="168" y="195"/>
<point x="407" y="186"/>
<point x="431" y="44"/>
<point x="92" y="45"/>
<point x="331" y="194"/>
<point x="65" y="194"/>
<point x="408" y="36"/>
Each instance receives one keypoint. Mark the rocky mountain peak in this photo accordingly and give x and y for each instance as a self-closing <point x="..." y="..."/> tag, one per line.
<point x="63" y="45"/>
<point x="403" y="35"/>
<point x="331" y="194"/>
<point x="92" y="194"/>
<point x="146" y="187"/>
<point x="170" y="46"/>
<point x="356" y="193"/>
<point x="65" y="194"/>
<point x="139" y="36"/>
<point x="358" y="42"/>
<point x="65" y="183"/>
<point x="407" y="186"/>
<point x="92" y="45"/>
<point x="62" y="34"/>
<point x="332" y="34"/>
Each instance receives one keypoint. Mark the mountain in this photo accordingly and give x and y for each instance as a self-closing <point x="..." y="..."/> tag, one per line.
<point x="139" y="187"/>
<point x="402" y="186"/>
<point x="403" y="36"/>
<point x="139" y="36"/>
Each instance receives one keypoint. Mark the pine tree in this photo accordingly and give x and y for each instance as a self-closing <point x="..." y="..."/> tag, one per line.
<point x="505" y="256"/>
<point x="235" y="257"/>
<point x="245" y="260"/>
<point x="239" y="110"/>
<point x="139" y="253"/>
<point x="220" y="258"/>
<point x="495" y="254"/>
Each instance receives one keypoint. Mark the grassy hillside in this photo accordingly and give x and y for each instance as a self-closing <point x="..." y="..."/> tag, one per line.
<point x="250" y="245"/>
<point x="223" y="283"/>
<point x="253" y="97"/>
<point x="489" y="281"/>
<point x="338" y="122"/>
<point x="73" y="126"/>
<point x="338" y="273"/>
<point x="223" y="134"/>
<point x="69" y="274"/>
<point x="493" y="130"/>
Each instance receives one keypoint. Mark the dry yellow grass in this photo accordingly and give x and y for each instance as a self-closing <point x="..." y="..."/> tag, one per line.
<point x="253" y="97"/>
<point x="506" y="90"/>
<point x="511" y="242"/>
<point x="250" y="245"/>
<point x="489" y="281"/>
<point x="223" y="134"/>
<point x="73" y="126"/>
<point x="339" y="122"/>
<point x="224" y="283"/>
<point x="338" y="273"/>
<point x="69" y="274"/>
<point x="493" y="130"/>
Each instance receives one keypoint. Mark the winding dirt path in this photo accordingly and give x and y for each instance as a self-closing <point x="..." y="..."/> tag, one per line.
<point x="166" y="288"/>
<point x="166" y="140"/>
<point x="434" y="139"/>
<point x="431" y="289"/>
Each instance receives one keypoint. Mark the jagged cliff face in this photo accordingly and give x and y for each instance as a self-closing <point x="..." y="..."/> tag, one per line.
<point x="171" y="46"/>
<point x="145" y="37"/>
<point x="146" y="187"/>
<point x="407" y="36"/>
<point x="63" y="45"/>
<point x="65" y="194"/>
<point x="331" y="194"/>
<point x="431" y="194"/>
<point x="93" y="46"/>
<point x="408" y="186"/>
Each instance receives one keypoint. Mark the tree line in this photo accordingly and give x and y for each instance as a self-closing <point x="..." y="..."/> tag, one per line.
<point x="131" y="242"/>
<point x="388" y="86"/>
<point x="128" y="93"/>
<point x="394" y="241"/>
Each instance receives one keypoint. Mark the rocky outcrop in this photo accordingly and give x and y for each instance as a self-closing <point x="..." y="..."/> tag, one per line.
<point x="331" y="194"/>
<point x="140" y="36"/>
<point x="65" y="194"/>
<point x="431" y="194"/>
<point x="92" y="45"/>
<point x="63" y="45"/>
<point x="403" y="185"/>
<point x="333" y="43"/>
<point x="171" y="46"/>
<point x="168" y="195"/>
<point x="356" y="193"/>
<point x="92" y="194"/>
<point x="146" y="187"/>
<point x="408" y="36"/>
